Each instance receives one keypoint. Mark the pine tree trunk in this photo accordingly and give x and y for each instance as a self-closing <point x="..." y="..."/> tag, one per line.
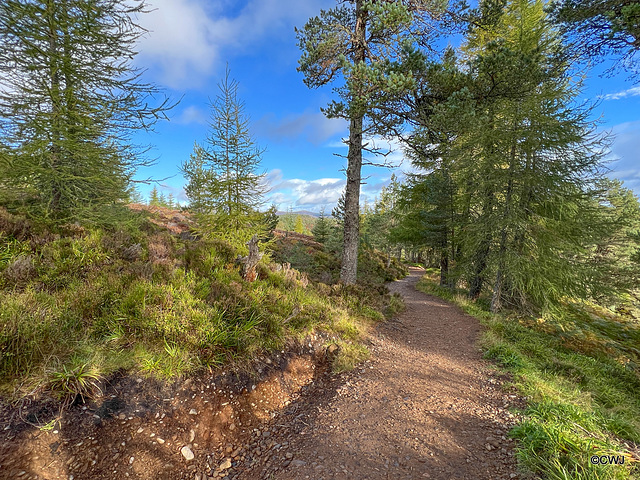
<point x="444" y="257"/>
<point x="349" y="268"/>
<point x="481" y="256"/>
<point x="444" y="268"/>
<point x="477" y="281"/>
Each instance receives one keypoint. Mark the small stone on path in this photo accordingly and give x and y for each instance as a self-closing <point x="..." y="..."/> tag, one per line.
<point x="187" y="453"/>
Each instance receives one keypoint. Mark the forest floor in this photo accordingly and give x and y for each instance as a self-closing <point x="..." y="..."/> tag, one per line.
<point x="426" y="405"/>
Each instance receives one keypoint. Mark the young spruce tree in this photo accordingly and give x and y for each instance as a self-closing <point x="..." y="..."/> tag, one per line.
<point x="224" y="187"/>
<point x="321" y="229"/>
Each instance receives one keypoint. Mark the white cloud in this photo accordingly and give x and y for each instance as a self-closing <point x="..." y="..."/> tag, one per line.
<point x="181" y="43"/>
<point x="303" y="194"/>
<point x="188" y="39"/>
<point x="631" y="92"/>
<point x="313" y="126"/>
<point x="313" y="195"/>
<point x="191" y="115"/>
<point x="178" y="193"/>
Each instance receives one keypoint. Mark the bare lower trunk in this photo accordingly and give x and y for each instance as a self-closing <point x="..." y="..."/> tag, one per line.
<point x="444" y="268"/>
<point x="477" y="281"/>
<point x="496" y="300"/>
<point x="349" y="269"/>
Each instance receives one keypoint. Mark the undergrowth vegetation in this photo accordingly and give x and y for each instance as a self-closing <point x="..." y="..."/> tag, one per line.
<point x="322" y="264"/>
<point x="78" y="305"/>
<point x="579" y="368"/>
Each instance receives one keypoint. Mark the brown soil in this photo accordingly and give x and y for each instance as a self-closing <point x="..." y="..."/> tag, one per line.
<point x="425" y="406"/>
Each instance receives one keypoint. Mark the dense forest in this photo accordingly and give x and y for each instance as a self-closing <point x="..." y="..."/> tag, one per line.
<point x="510" y="207"/>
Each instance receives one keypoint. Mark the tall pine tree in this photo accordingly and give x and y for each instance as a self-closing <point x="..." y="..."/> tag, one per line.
<point x="372" y="45"/>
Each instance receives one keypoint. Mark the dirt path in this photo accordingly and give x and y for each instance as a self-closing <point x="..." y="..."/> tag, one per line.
<point x="425" y="406"/>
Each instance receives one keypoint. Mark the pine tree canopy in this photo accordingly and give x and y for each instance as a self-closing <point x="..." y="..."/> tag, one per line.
<point x="599" y="27"/>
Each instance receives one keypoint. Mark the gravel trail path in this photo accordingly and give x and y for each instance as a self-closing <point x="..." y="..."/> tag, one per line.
<point x="425" y="406"/>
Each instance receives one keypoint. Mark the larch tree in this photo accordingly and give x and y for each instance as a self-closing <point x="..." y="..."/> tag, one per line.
<point x="536" y="161"/>
<point x="368" y="48"/>
<point x="382" y="219"/>
<point x="224" y="186"/>
<point x="70" y="100"/>
<point x="511" y="159"/>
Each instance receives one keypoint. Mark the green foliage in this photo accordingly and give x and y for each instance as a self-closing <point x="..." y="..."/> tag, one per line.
<point x="292" y="222"/>
<point x="339" y="210"/>
<point x="323" y="264"/>
<point x="377" y="224"/>
<point x="154" y="197"/>
<point x="370" y="76"/>
<point x="66" y="116"/>
<point x="309" y="258"/>
<point x="157" y="199"/>
<point x="597" y="27"/>
<point x="223" y="186"/>
<point x="92" y="305"/>
<point x="512" y="201"/>
<point x="349" y="356"/>
<point x="375" y="268"/>
<point x="370" y="49"/>
<point x="321" y="229"/>
<point x="71" y="381"/>
<point x="271" y="220"/>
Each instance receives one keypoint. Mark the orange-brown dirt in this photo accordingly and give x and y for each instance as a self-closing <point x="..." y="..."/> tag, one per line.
<point x="425" y="406"/>
<point x="175" y="221"/>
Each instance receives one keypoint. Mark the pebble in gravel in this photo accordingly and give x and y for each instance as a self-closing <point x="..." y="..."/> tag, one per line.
<point x="187" y="453"/>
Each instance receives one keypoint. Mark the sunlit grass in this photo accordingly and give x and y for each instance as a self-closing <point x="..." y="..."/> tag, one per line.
<point x="87" y="308"/>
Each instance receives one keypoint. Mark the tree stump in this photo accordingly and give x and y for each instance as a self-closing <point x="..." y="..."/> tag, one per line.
<point x="250" y="262"/>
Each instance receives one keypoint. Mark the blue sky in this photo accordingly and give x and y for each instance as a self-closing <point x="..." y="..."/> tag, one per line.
<point x="186" y="52"/>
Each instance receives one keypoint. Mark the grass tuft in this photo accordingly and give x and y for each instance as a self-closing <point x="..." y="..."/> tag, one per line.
<point x="349" y="355"/>
<point x="75" y="380"/>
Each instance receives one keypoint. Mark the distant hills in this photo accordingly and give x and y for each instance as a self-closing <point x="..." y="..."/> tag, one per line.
<point x="300" y="212"/>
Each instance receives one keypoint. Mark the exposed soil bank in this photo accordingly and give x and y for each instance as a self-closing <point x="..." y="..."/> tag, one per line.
<point x="139" y="428"/>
